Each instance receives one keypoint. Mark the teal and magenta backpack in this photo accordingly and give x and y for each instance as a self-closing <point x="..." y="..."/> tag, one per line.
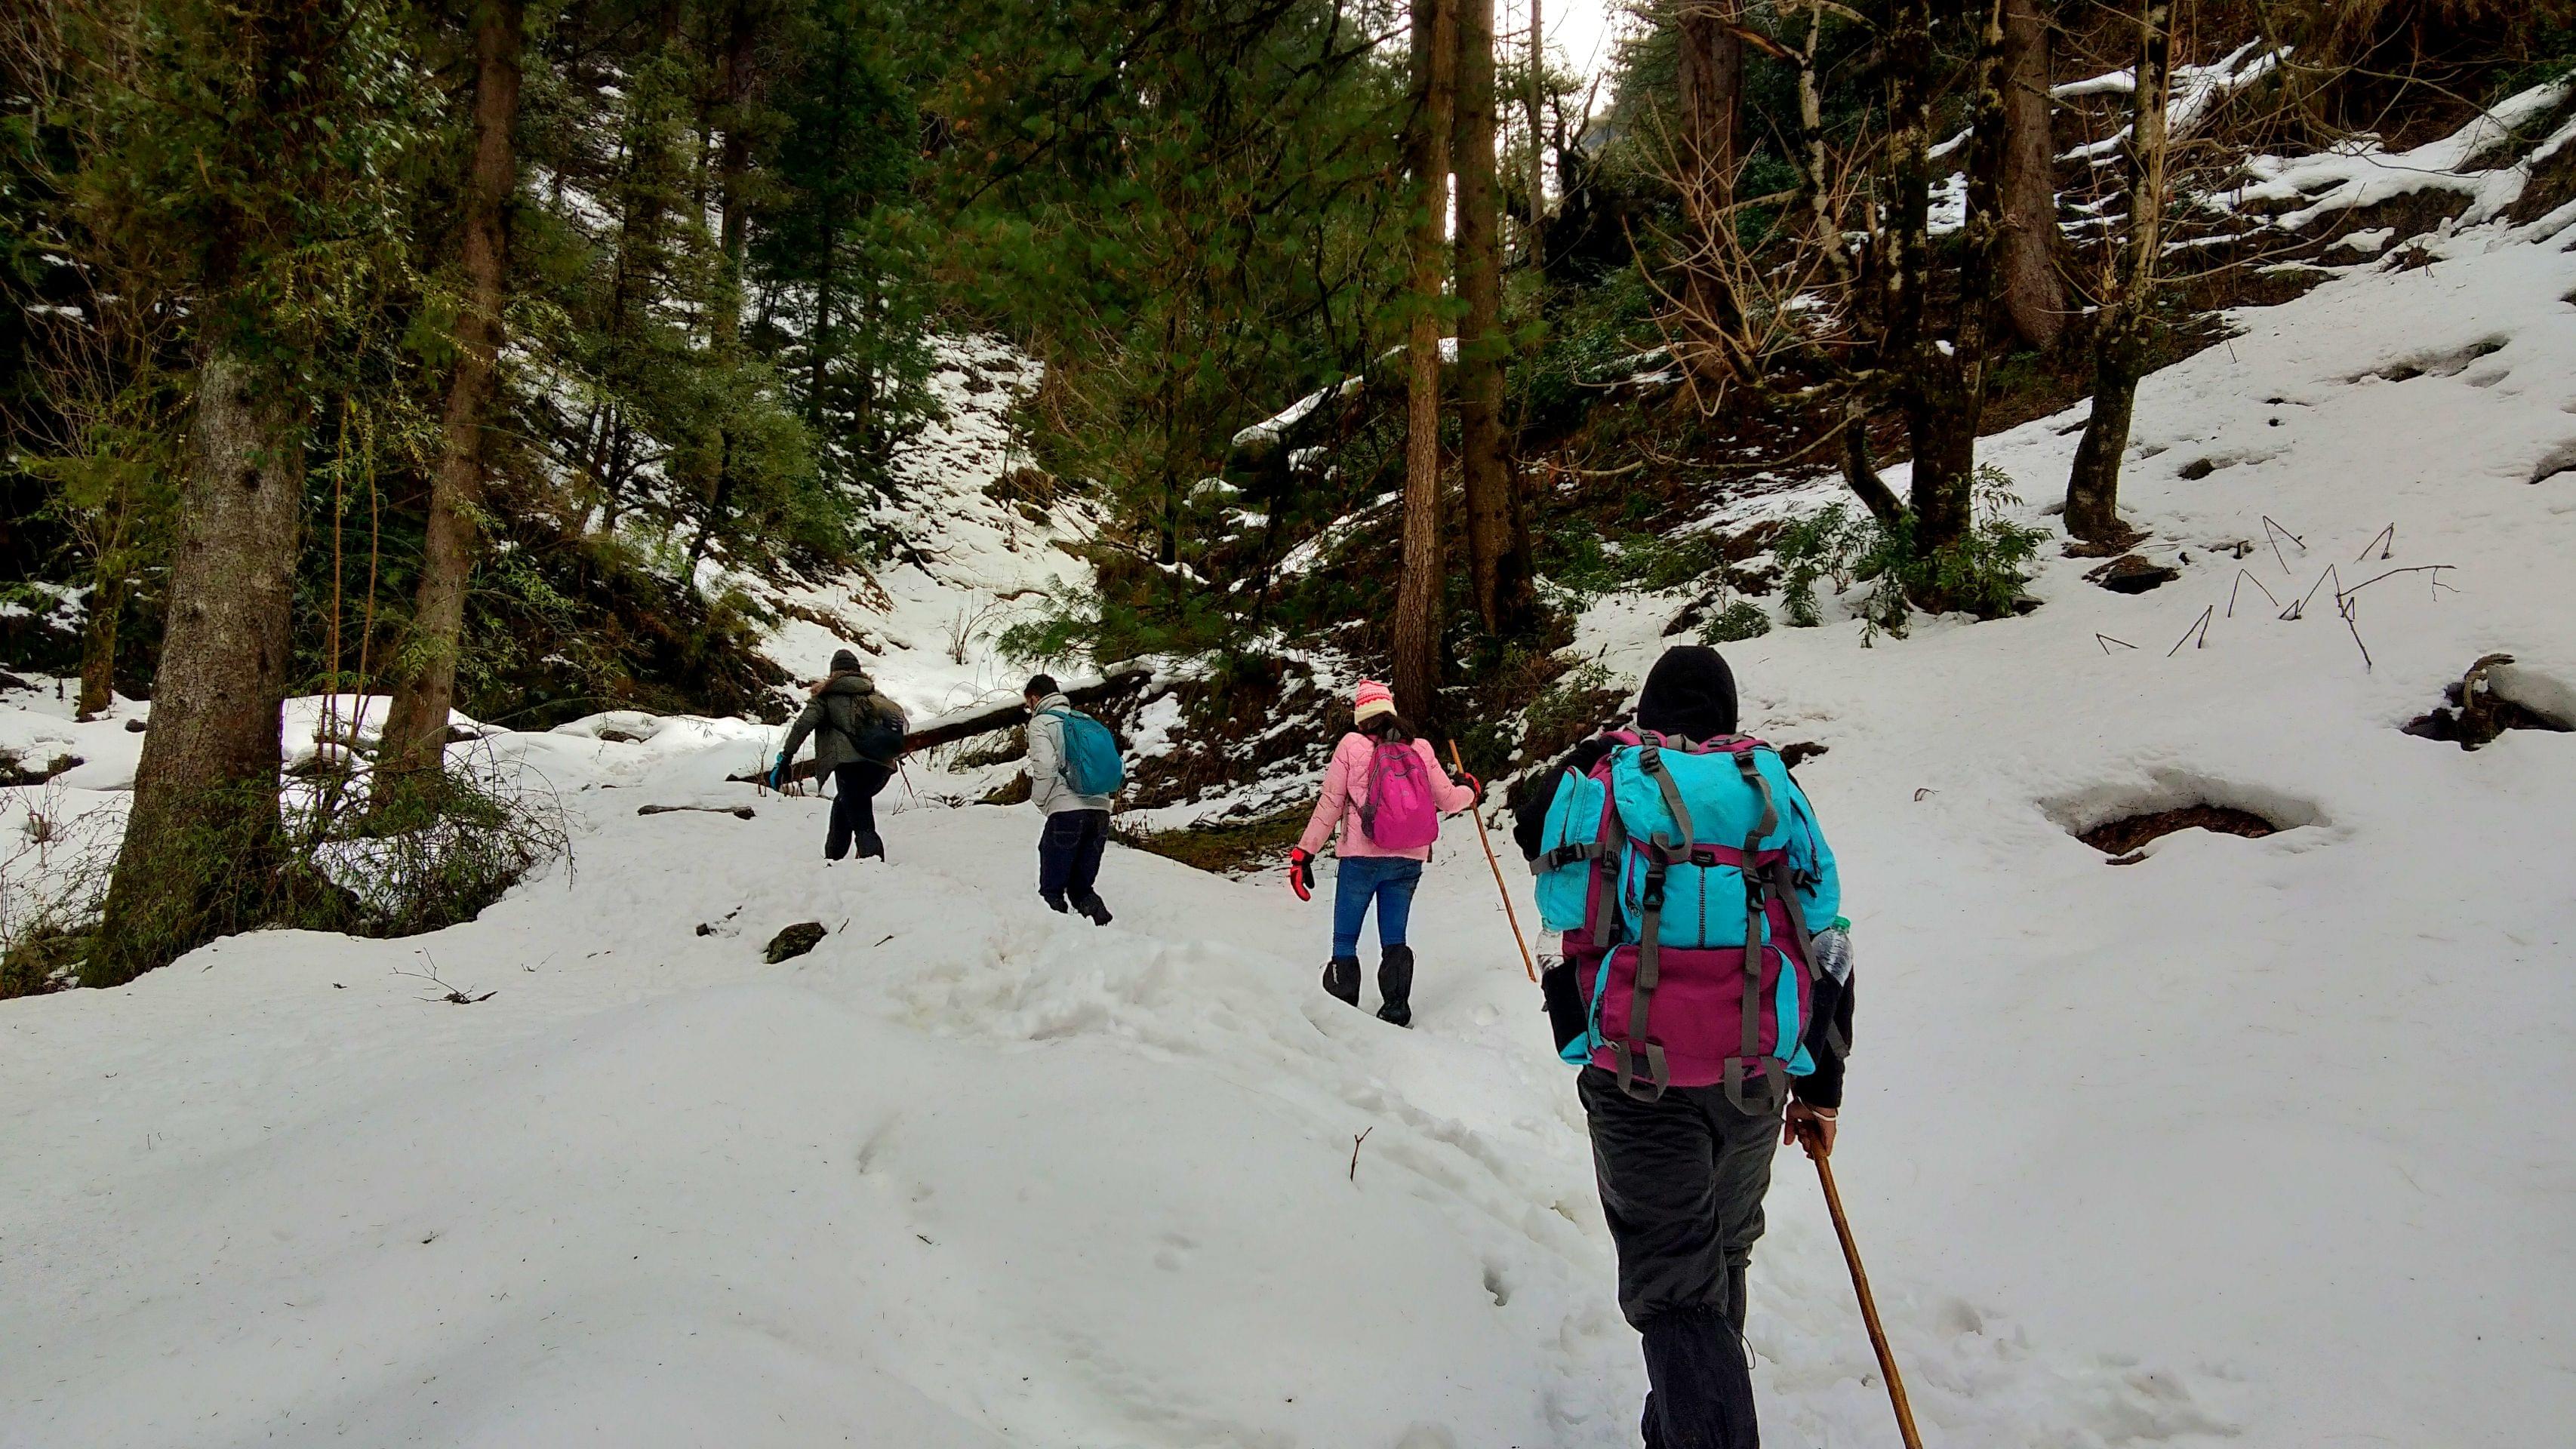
<point x="1091" y="762"/>
<point x="1686" y="878"/>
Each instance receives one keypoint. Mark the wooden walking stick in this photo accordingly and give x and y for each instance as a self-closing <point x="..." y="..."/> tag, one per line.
<point x="1477" y="812"/>
<point x="1860" y="1285"/>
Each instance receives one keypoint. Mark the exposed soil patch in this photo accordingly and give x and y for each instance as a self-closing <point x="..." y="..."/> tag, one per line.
<point x="793" y="942"/>
<point x="15" y="769"/>
<point x="2121" y="838"/>
<point x="2133" y="574"/>
<point x="1230" y="848"/>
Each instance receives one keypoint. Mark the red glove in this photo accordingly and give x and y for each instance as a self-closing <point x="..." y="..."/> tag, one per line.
<point x="1301" y="874"/>
<point x="1474" y="784"/>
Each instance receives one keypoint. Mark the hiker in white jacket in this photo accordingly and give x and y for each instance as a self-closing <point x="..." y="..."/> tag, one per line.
<point x="1077" y="826"/>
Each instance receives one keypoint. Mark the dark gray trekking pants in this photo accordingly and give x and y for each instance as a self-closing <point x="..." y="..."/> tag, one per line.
<point x="1682" y="1181"/>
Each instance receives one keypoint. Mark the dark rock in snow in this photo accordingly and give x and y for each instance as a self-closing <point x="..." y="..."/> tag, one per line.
<point x="2133" y="574"/>
<point x="795" y="941"/>
<point x="135" y="727"/>
<point x="2474" y="714"/>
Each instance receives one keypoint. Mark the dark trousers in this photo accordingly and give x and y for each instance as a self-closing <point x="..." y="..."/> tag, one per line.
<point x="1682" y="1181"/>
<point x="1069" y="855"/>
<point x="854" y="810"/>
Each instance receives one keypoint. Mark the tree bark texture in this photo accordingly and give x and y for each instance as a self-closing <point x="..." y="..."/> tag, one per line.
<point x="1501" y="589"/>
<point x="1711" y="85"/>
<point x="1942" y="389"/>
<point x="210" y="761"/>
<point x="2125" y="331"/>
<point x="1419" y="588"/>
<point x="2034" y="298"/>
<point x="98" y="644"/>
<point x="415" y="735"/>
<point x="1534" y="81"/>
<point x="739" y="79"/>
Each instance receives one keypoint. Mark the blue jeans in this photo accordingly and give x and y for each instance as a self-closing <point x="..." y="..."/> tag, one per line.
<point x="1388" y="880"/>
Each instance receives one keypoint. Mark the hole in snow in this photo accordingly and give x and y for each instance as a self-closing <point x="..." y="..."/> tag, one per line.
<point x="2197" y="469"/>
<point x="2487" y="376"/>
<point x="2561" y="459"/>
<point x="2122" y="838"/>
<point x="1498" y="1286"/>
<point x="2120" y="820"/>
<point x="2497" y="695"/>
<point x="2434" y="364"/>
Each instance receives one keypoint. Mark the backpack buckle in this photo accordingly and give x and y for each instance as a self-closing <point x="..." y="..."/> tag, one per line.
<point x="1624" y="1055"/>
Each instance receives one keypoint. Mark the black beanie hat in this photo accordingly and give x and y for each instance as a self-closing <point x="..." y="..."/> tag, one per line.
<point x="844" y="662"/>
<point x="1690" y="692"/>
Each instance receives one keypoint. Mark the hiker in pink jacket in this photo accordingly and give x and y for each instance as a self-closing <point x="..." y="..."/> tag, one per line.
<point x="1387" y="792"/>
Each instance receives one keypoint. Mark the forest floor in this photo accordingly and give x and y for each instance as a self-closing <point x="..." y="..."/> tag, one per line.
<point x="2262" y="1141"/>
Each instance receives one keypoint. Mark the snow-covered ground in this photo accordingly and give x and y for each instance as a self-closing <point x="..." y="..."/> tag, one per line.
<point x="2263" y="1142"/>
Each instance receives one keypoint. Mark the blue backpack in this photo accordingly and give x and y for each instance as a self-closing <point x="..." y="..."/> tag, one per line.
<point x="1091" y="764"/>
<point x="1688" y="878"/>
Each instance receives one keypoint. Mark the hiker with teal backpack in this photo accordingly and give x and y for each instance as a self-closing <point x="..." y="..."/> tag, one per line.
<point x="1706" y="996"/>
<point x="1074" y="770"/>
<point x="1385" y="792"/>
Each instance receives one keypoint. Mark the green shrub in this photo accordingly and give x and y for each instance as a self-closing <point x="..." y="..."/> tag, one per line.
<point x="1982" y="574"/>
<point x="1575" y="705"/>
<point x="330" y="859"/>
<point x="1737" y="622"/>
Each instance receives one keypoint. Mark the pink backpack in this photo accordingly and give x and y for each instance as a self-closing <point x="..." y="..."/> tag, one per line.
<point x="1398" y="813"/>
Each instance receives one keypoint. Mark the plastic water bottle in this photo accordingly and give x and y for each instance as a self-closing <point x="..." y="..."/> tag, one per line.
<point x="1833" y="950"/>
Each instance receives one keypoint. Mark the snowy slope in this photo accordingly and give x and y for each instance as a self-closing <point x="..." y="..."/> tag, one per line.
<point x="966" y="563"/>
<point x="2254" y="1141"/>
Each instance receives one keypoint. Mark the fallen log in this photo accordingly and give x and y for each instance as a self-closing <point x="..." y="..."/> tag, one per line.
<point x="948" y="729"/>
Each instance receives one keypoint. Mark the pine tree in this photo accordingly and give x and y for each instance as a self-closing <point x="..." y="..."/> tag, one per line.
<point x="415" y="730"/>
<point x="247" y="154"/>
<point x="1419" y="589"/>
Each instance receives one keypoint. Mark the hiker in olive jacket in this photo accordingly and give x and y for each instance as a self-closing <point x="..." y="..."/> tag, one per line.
<point x="858" y="739"/>
<point x="1077" y="825"/>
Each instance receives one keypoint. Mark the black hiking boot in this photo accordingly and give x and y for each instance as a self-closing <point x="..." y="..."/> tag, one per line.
<point x="1395" y="983"/>
<point x="1093" y="907"/>
<point x="1342" y="979"/>
<point x="1056" y="904"/>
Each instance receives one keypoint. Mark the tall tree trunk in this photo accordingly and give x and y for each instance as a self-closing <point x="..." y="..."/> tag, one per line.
<point x="415" y="736"/>
<point x="737" y="80"/>
<point x="1480" y="335"/>
<point x="1943" y="389"/>
<point x="2033" y="297"/>
<point x="98" y="643"/>
<point x="818" y="347"/>
<point x="1712" y="84"/>
<point x="204" y="818"/>
<point x="1419" y="588"/>
<point x="2126" y="329"/>
<point x="1536" y="248"/>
